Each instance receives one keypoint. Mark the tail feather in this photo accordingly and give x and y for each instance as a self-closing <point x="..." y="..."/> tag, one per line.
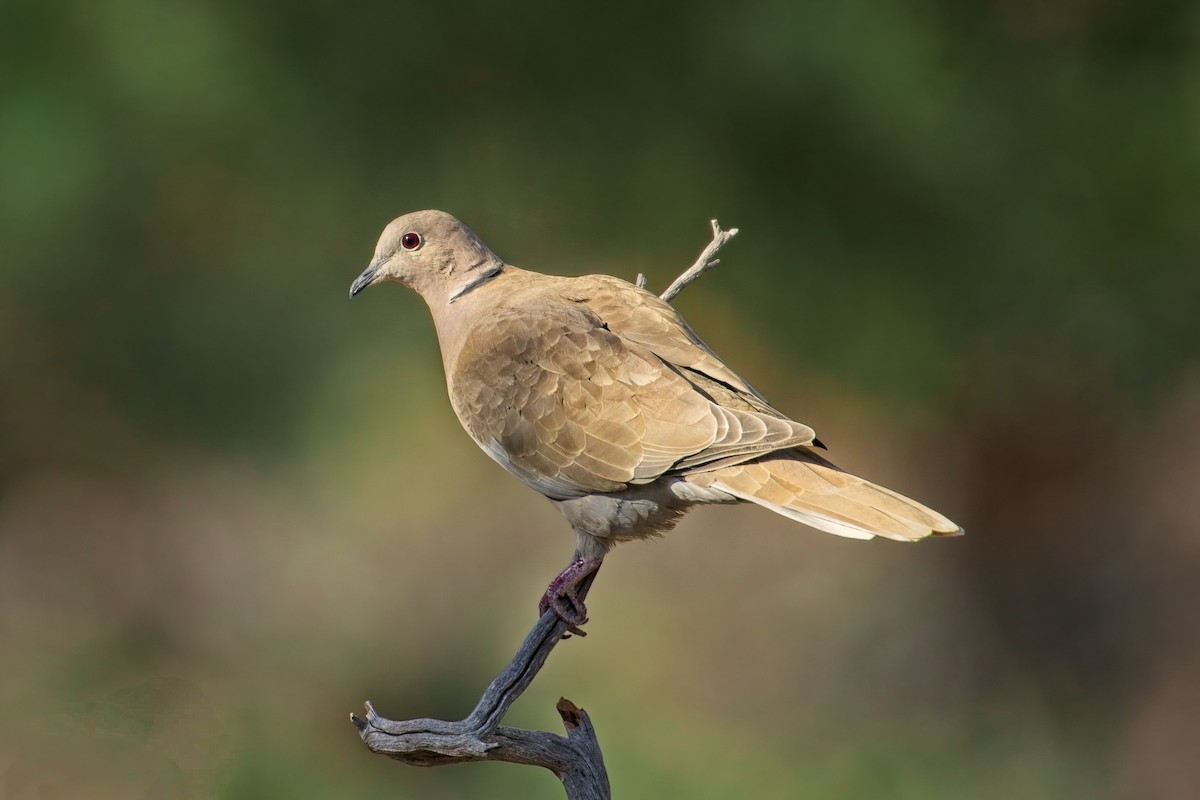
<point x="805" y="487"/>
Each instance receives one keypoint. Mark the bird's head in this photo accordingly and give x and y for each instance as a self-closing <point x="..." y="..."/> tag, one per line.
<point x="432" y="253"/>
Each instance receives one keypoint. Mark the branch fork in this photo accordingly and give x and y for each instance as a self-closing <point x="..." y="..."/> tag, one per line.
<point x="703" y="264"/>
<point x="574" y="758"/>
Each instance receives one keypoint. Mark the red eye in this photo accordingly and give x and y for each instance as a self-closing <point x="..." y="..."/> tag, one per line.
<point x="410" y="241"/>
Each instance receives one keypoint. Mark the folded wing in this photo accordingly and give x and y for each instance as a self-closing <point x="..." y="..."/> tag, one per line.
<point x="574" y="400"/>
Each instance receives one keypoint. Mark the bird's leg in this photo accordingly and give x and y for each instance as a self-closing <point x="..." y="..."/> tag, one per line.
<point x="562" y="594"/>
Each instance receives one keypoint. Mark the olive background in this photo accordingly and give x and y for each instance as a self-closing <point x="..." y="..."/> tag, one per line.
<point x="234" y="504"/>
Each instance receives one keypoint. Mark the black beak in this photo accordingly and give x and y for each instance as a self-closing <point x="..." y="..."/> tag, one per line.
<point x="364" y="280"/>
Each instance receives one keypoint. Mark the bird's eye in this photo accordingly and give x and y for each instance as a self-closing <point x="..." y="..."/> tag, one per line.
<point x="410" y="241"/>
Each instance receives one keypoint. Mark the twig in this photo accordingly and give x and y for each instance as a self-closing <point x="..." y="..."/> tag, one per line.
<point x="575" y="758"/>
<point x="703" y="264"/>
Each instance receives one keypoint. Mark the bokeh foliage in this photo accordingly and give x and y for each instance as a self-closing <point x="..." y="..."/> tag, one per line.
<point x="232" y="502"/>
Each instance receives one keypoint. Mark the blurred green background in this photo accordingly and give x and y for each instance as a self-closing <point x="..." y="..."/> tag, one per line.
<point x="233" y="504"/>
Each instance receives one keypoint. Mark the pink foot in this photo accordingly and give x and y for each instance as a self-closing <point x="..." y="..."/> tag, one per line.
<point x="562" y="595"/>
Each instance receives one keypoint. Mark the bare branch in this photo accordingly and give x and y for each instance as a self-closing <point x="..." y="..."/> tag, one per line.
<point x="575" y="758"/>
<point x="703" y="264"/>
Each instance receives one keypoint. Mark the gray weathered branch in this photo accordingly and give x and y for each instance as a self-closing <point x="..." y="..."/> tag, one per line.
<point x="575" y="758"/>
<point x="703" y="264"/>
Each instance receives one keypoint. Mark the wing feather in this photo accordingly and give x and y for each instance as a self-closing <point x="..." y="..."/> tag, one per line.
<point x="576" y="394"/>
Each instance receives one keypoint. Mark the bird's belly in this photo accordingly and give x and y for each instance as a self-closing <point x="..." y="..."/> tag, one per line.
<point x="602" y="520"/>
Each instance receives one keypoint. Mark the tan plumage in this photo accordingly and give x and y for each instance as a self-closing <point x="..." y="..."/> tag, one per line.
<point x="600" y="396"/>
<point x="577" y="408"/>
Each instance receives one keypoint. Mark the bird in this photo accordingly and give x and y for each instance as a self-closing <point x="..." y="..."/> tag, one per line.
<point x="600" y="396"/>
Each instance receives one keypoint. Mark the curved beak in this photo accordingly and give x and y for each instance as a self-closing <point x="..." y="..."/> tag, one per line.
<point x="366" y="279"/>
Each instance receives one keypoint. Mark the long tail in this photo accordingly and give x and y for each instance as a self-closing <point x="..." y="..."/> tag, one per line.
<point x="803" y="486"/>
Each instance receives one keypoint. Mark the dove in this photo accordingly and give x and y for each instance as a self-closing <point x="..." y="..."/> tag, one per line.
<point x="600" y="396"/>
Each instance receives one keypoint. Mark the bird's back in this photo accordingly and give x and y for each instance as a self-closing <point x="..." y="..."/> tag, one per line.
<point x="586" y="385"/>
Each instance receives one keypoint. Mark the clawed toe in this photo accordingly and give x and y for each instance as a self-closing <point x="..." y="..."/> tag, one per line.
<point x="567" y="605"/>
<point x="562" y="596"/>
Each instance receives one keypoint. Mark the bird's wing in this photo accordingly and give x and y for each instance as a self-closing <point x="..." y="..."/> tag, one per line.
<point x="644" y="318"/>
<point x="570" y="406"/>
